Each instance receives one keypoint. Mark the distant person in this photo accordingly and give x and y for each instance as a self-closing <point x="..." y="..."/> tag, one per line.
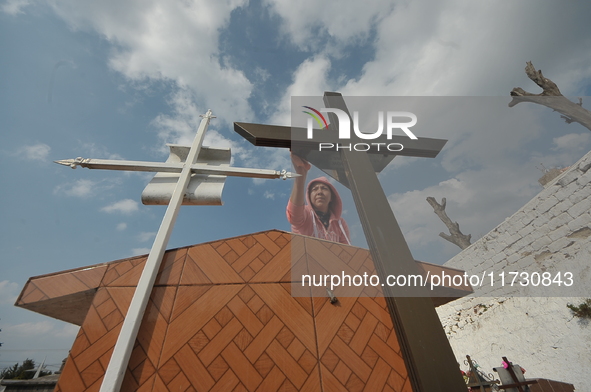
<point x="320" y="216"/>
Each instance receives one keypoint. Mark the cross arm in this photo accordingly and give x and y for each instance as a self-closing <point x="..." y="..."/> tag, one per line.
<point x="108" y="164"/>
<point x="174" y="167"/>
<point x="328" y="160"/>
<point x="295" y="139"/>
<point x="242" y="172"/>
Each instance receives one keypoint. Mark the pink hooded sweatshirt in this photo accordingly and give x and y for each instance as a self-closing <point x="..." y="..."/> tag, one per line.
<point x="304" y="220"/>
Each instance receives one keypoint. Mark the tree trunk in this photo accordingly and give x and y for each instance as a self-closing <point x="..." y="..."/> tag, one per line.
<point x="551" y="97"/>
<point x="456" y="237"/>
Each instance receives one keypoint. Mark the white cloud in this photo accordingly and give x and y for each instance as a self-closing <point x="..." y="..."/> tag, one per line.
<point x="126" y="206"/>
<point x="572" y="142"/>
<point x="78" y="188"/>
<point x="146" y="236"/>
<point x="477" y="200"/>
<point x="454" y="48"/>
<point x="28" y="329"/>
<point x="269" y="195"/>
<point x="8" y="292"/>
<point x="86" y="188"/>
<point x="140" y="251"/>
<point x="310" y="79"/>
<point x="180" y="126"/>
<point x="68" y="331"/>
<point x="446" y="47"/>
<point x="14" y="7"/>
<point x="121" y="226"/>
<point x="168" y="41"/>
<point x="46" y="329"/>
<point x="94" y="150"/>
<point x="313" y="25"/>
<point x="35" y="152"/>
<point x="565" y="151"/>
<point x="262" y="74"/>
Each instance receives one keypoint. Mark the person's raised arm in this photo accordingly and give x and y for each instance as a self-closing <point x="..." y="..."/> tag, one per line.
<point x="299" y="184"/>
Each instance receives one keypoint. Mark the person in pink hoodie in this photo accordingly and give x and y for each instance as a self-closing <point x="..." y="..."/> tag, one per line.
<point x="320" y="217"/>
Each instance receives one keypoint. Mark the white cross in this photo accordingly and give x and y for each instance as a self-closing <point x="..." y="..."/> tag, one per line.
<point x="131" y="324"/>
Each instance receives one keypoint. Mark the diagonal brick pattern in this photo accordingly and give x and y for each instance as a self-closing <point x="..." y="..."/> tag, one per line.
<point x="222" y="318"/>
<point x="262" y="257"/>
<point x="57" y="285"/>
<point x="241" y="343"/>
<point x="364" y="354"/>
<point x="142" y="368"/>
<point x="124" y="273"/>
<point x="358" y="348"/>
<point x="92" y="348"/>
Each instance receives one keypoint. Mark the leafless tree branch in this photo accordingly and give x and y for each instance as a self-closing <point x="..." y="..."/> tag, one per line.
<point x="551" y="97"/>
<point x="456" y="237"/>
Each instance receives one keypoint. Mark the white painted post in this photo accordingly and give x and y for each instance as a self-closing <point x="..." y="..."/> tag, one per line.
<point x="122" y="352"/>
<point x="120" y="358"/>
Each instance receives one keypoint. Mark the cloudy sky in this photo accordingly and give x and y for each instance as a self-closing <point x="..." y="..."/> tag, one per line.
<point x="120" y="79"/>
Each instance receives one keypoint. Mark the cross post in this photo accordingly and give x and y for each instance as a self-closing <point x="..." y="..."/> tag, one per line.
<point x="431" y="364"/>
<point x="115" y="372"/>
<point x="133" y="319"/>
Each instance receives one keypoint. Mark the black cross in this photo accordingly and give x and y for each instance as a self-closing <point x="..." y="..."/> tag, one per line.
<point x="430" y="361"/>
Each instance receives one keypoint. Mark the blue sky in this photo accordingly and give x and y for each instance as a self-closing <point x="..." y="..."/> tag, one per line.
<point x="120" y="79"/>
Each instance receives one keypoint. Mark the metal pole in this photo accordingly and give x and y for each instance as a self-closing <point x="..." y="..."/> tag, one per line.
<point x="429" y="359"/>
<point x="124" y="346"/>
<point x="168" y="167"/>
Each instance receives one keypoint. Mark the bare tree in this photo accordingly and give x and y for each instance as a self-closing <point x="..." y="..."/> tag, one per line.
<point x="551" y="97"/>
<point x="455" y="236"/>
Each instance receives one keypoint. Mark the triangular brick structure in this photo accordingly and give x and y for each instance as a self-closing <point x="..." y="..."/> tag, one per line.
<point x="221" y="317"/>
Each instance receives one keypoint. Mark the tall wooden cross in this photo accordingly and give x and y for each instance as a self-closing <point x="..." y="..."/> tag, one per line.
<point x="173" y="191"/>
<point x="430" y="361"/>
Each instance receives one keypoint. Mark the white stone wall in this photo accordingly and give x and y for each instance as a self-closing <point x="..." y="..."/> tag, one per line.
<point x="531" y="325"/>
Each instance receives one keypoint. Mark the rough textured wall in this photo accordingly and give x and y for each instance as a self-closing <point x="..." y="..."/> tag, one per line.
<point x="531" y="325"/>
